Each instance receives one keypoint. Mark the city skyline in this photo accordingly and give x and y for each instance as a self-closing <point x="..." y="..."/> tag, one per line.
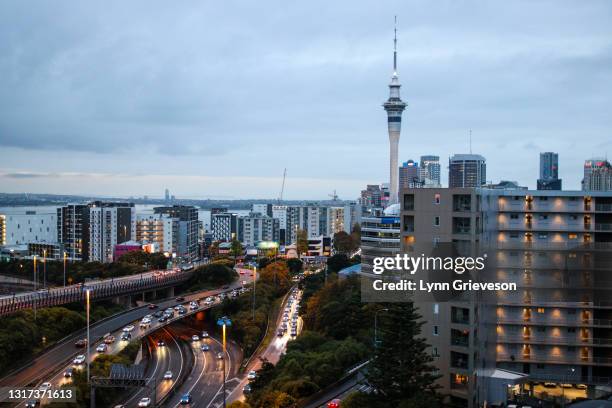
<point x="94" y="105"/>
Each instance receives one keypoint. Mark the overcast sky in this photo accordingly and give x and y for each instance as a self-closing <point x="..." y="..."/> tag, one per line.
<point x="215" y="99"/>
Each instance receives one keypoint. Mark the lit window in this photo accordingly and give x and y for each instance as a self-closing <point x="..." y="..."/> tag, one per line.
<point x="541" y="310"/>
<point x="436" y="308"/>
<point x="437" y="198"/>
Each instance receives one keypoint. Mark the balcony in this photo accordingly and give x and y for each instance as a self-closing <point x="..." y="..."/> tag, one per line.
<point x="604" y="227"/>
<point x="573" y="359"/>
<point x="554" y="341"/>
<point x="603" y="207"/>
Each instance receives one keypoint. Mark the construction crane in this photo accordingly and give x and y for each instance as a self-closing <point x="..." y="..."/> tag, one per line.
<point x="280" y="198"/>
<point x="334" y="196"/>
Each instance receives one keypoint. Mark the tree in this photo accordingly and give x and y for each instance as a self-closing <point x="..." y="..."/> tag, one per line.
<point x="356" y="237"/>
<point x="276" y="274"/>
<point x="338" y="262"/>
<point x="401" y="367"/>
<point x="343" y="242"/>
<point x="236" y="249"/>
<point x="213" y="249"/>
<point x="302" y="242"/>
<point x="295" y="265"/>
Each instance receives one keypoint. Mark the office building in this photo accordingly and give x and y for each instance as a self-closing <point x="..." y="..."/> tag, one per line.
<point x="394" y="107"/>
<point x="371" y="196"/>
<point x="25" y="225"/>
<point x="255" y="228"/>
<point x="109" y="224"/>
<point x="224" y="226"/>
<point x="556" y="327"/>
<point x="188" y="229"/>
<point x="430" y="171"/>
<point x="467" y="170"/>
<point x="549" y="172"/>
<point x="409" y="175"/>
<point x="597" y="175"/>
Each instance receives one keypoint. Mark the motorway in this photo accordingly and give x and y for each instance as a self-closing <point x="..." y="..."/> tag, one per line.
<point x="275" y="349"/>
<point x="53" y="363"/>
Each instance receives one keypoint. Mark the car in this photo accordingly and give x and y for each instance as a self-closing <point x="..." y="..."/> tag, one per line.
<point x="144" y="402"/>
<point x="119" y="406"/>
<point x="162" y="319"/>
<point x="280" y="333"/>
<point x="101" y="348"/>
<point x="178" y="307"/>
<point x="185" y="399"/>
<point x="78" y="360"/>
<point x="126" y="336"/>
<point x="581" y="386"/>
<point x="161" y="343"/>
<point x="158" y="314"/>
<point x="180" y="299"/>
<point x="81" y="343"/>
<point x="565" y="385"/>
<point x="195" y="337"/>
<point x="153" y="306"/>
<point x="205" y="347"/>
<point x="252" y="375"/>
<point x="32" y="403"/>
<point x="182" y="311"/>
<point x="220" y="356"/>
<point x="44" y="386"/>
<point x="168" y="375"/>
<point x="550" y="385"/>
<point x="128" y="328"/>
<point x="204" y="334"/>
<point x="109" y="339"/>
<point x="335" y="403"/>
<point x="68" y="373"/>
<point x="246" y="389"/>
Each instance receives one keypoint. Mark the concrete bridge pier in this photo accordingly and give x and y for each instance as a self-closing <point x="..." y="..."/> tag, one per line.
<point x="125" y="300"/>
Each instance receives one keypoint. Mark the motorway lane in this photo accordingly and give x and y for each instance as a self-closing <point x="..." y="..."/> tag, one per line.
<point x="163" y="358"/>
<point x="206" y="378"/>
<point x="277" y="346"/>
<point x="60" y="357"/>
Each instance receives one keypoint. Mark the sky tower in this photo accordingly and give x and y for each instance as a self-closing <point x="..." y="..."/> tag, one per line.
<point x="394" y="107"/>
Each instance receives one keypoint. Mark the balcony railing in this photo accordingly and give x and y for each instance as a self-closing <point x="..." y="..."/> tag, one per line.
<point x="550" y="340"/>
<point x="603" y="207"/>
<point x="556" y="322"/>
<point x="559" y="359"/>
<point x="603" y="226"/>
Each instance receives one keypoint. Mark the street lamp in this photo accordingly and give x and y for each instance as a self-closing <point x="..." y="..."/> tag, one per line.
<point x="88" y="344"/>
<point x="254" y="280"/>
<point x="65" y="268"/>
<point x="44" y="268"/>
<point x="35" y="288"/>
<point x="376" y="325"/>
<point x="223" y="322"/>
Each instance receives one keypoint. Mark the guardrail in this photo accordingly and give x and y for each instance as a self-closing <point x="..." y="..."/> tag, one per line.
<point x="98" y="290"/>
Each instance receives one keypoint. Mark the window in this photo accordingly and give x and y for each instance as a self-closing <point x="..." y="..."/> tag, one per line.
<point x="541" y="366"/>
<point x="434" y="352"/>
<point x="514" y="235"/>
<point x="541" y="329"/>
<point x="435" y="331"/>
<point x="571" y="330"/>
<point x="436" y="308"/>
<point x="543" y="217"/>
<point x="543" y="198"/>
<point x="542" y="235"/>
<point x="572" y="236"/>
<point x="437" y="198"/>
<point x="514" y="216"/>
<point x="573" y="217"/>
<point x="541" y="310"/>
<point x="436" y="221"/>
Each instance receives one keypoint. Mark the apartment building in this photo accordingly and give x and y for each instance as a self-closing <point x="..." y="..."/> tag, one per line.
<point x="380" y="235"/>
<point x="109" y="224"/>
<point x="188" y="226"/>
<point x="159" y="229"/>
<point x="557" y="326"/>
<point x="224" y="226"/>
<point x="73" y="230"/>
<point x="255" y="228"/>
<point x="25" y="225"/>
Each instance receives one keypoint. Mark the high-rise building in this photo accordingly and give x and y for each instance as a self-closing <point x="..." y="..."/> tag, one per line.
<point x="264" y="209"/>
<point x="394" y="107"/>
<point x="467" y="170"/>
<point x="167" y="195"/>
<point x="549" y="172"/>
<point x="73" y="230"/>
<point x="109" y="224"/>
<point x="279" y="212"/>
<point x="188" y="229"/>
<point x="380" y="235"/>
<point x="409" y="175"/>
<point x="597" y="175"/>
<point x="430" y="171"/>
<point x="224" y="226"/>
<point x="554" y="327"/>
<point x="257" y="227"/>
<point x="371" y="196"/>
<point x="159" y="229"/>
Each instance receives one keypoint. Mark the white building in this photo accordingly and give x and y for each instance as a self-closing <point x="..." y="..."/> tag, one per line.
<point x="25" y="225"/>
<point x="256" y="227"/>
<point x="109" y="224"/>
<point x="159" y="229"/>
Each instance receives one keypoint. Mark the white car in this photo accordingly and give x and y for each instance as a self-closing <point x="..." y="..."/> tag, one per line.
<point x="144" y="402"/>
<point x="168" y="375"/>
<point x="195" y="337"/>
<point x="220" y="356"/>
<point x="44" y="386"/>
<point x="80" y="359"/>
<point x="204" y="334"/>
<point x="252" y="375"/>
<point x="128" y="328"/>
<point x="101" y="348"/>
